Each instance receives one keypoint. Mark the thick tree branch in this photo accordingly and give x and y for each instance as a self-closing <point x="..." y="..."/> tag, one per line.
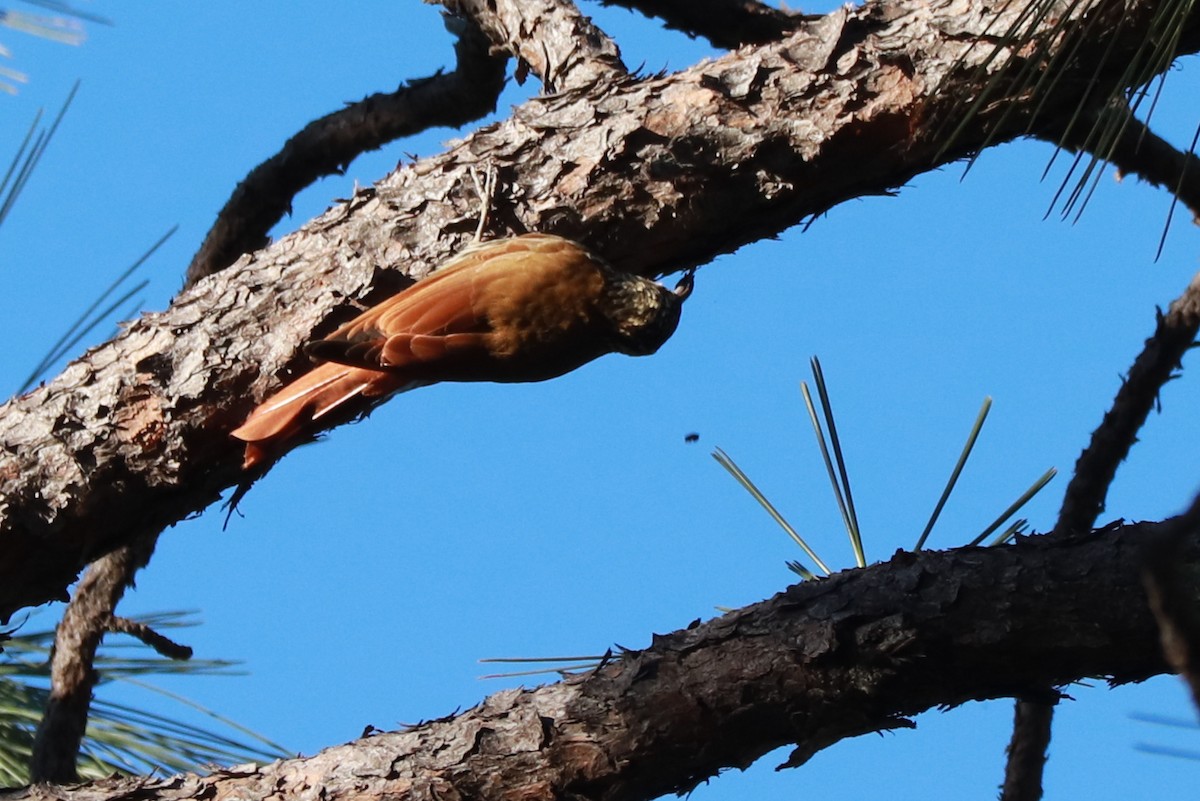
<point x="321" y="148"/>
<point x="727" y="24"/>
<point x="656" y="174"/>
<point x="550" y="37"/>
<point x="326" y="146"/>
<point x="859" y="652"/>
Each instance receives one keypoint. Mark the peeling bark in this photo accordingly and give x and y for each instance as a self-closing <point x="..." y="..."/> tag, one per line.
<point x="550" y="37"/>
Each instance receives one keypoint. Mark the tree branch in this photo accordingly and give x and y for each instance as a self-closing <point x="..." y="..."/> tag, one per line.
<point x="1113" y="134"/>
<point x="859" y="652"/>
<point x="72" y="675"/>
<point x="1027" y="749"/>
<point x="1111" y="442"/>
<point x="675" y="171"/>
<point x="321" y="148"/>
<point x="727" y="24"/>
<point x="326" y="146"/>
<point x="1174" y="334"/>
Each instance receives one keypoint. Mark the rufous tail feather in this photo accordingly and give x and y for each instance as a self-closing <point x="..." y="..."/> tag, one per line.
<point x="269" y="432"/>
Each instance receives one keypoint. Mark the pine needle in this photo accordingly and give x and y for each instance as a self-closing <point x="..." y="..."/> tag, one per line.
<point x="86" y="322"/>
<point x="735" y="471"/>
<point x="958" y="468"/>
<point x="1017" y="504"/>
<point x="840" y="481"/>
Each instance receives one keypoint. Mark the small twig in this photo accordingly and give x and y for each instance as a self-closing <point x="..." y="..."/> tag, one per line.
<point x="162" y="645"/>
<point x="551" y="38"/>
<point x="1174" y="333"/>
<point x="486" y="189"/>
<point x="72" y="671"/>
<point x="326" y="146"/>
<point x="1027" y="750"/>
<point x="727" y="24"/>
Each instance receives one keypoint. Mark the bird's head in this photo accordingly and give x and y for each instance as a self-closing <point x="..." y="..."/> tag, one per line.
<point x="643" y="313"/>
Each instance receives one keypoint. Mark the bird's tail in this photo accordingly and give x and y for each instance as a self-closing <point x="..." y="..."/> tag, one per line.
<point x="307" y="405"/>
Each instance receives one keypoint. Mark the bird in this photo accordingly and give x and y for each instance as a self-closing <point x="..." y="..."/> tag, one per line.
<point x="519" y="309"/>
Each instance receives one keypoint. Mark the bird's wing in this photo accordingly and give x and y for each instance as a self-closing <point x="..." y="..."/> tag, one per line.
<point x="435" y="322"/>
<point x="433" y="317"/>
<point x="430" y="321"/>
<point x="442" y="315"/>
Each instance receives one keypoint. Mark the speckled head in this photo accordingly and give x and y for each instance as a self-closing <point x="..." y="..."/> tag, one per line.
<point x="643" y="313"/>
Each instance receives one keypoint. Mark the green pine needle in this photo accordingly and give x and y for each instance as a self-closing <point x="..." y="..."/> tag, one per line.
<point x="119" y="738"/>
<point x="1017" y="504"/>
<point x="1018" y="526"/>
<point x="849" y="515"/>
<point x="958" y="468"/>
<point x="735" y="471"/>
<point x="86" y="322"/>
<point x="800" y="570"/>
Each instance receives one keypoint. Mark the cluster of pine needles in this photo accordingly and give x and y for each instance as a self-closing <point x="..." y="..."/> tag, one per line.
<point x="1000" y="530"/>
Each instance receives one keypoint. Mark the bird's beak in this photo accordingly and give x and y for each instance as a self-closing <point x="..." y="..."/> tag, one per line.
<point x="684" y="288"/>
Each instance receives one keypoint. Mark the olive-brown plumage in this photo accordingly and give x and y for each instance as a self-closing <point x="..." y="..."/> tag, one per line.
<point x="527" y="308"/>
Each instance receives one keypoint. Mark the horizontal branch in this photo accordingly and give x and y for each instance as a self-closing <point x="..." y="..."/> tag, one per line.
<point x="656" y="174"/>
<point x="859" y="652"/>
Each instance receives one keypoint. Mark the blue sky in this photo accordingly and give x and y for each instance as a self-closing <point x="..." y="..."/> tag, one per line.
<point x="372" y="570"/>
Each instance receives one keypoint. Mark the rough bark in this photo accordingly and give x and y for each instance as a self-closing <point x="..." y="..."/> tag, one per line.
<point x="551" y="38"/>
<point x="824" y="660"/>
<point x="657" y="174"/>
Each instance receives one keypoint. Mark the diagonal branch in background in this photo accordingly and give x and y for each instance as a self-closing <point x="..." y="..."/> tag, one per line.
<point x="727" y="24"/>
<point x="1174" y="334"/>
<point x="856" y="653"/>
<point x="550" y="37"/>
<point x="1083" y="502"/>
<point x="72" y="675"/>
<point x="326" y="146"/>
<point x="656" y="174"/>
